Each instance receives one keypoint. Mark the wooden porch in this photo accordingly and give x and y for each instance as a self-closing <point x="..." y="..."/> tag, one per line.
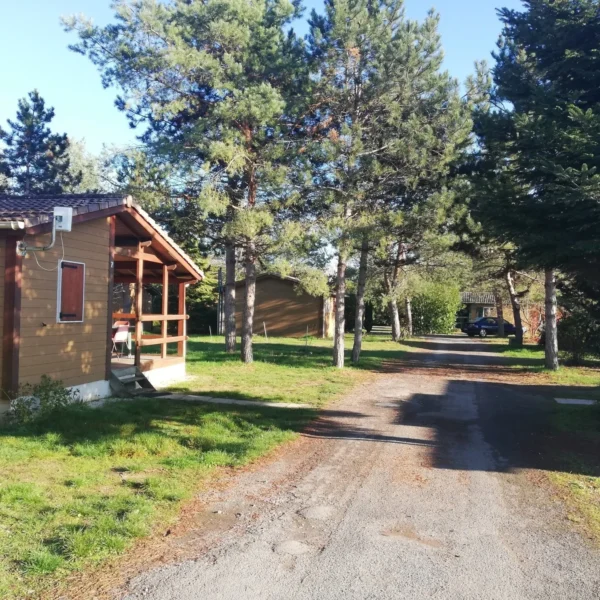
<point x="148" y="362"/>
<point x="141" y="258"/>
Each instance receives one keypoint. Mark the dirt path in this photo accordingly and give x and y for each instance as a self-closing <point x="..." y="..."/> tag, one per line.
<point x="416" y="486"/>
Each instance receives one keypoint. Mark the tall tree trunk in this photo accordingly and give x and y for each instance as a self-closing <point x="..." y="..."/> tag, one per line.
<point x="392" y="305"/>
<point x="409" y="322"/>
<point x="230" y="297"/>
<point x="499" y="313"/>
<point x="249" y="297"/>
<point x="360" y="300"/>
<point x="340" y="317"/>
<point x="394" y="313"/>
<point x="551" y="322"/>
<point x="395" y="319"/>
<point x="515" y="302"/>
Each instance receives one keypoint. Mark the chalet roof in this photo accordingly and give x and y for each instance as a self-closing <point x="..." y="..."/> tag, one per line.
<point x="29" y="212"/>
<point x="36" y="210"/>
<point x="478" y="298"/>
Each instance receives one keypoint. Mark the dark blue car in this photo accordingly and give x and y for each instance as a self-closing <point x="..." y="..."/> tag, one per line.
<point x="485" y="326"/>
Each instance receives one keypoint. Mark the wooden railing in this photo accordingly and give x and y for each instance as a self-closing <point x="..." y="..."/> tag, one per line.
<point x="149" y="339"/>
<point x="149" y="318"/>
<point x="140" y="256"/>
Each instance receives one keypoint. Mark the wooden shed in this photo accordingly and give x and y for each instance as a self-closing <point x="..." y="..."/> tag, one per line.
<point x="285" y="309"/>
<point x="57" y="304"/>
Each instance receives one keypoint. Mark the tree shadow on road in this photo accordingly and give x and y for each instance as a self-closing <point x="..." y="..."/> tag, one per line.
<point x="503" y="427"/>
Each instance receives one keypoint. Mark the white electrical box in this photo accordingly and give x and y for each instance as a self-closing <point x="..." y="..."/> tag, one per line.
<point x="63" y="218"/>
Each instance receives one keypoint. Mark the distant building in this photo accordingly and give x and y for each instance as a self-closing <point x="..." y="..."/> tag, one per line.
<point x="478" y="304"/>
<point x="285" y="309"/>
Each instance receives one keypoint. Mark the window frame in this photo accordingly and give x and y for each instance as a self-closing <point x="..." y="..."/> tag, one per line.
<point x="59" y="291"/>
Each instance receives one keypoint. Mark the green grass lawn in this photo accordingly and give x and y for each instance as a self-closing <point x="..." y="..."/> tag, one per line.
<point x="579" y="481"/>
<point x="83" y="485"/>
<point x="284" y="370"/>
<point x="587" y="375"/>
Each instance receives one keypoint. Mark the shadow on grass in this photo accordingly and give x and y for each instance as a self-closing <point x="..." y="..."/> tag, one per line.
<point x="118" y="420"/>
<point x="125" y="419"/>
<point x="289" y="355"/>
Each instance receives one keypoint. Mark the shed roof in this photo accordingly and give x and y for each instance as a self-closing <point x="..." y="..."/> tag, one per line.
<point x="263" y="276"/>
<point x="478" y="298"/>
<point x="36" y="212"/>
<point x="287" y="279"/>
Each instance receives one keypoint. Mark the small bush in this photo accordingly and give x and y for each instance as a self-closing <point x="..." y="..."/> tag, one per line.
<point x="434" y="309"/>
<point x="579" y="336"/>
<point x="42" y="399"/>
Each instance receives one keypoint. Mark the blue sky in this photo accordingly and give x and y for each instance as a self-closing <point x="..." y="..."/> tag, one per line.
<point x="35" y="55"/>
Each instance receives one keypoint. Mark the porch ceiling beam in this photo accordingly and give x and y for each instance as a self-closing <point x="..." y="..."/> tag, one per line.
<point x="128" y="254"/>
<point x="154" y="279"/>
<point x="130" y="240"/>
<point x="162" y="245"/>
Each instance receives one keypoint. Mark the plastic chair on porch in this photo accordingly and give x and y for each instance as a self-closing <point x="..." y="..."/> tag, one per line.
<point x="120" y="336"/>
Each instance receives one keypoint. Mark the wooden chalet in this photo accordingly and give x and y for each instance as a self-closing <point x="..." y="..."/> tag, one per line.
<point x="57" y="303"/>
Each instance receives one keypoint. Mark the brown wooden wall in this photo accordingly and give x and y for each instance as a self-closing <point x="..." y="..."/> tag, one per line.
<point x="285" y="312"/>
<point x="3" y="401"/>
<point x="72" y="352"/>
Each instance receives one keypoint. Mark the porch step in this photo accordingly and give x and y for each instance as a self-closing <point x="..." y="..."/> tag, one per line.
<point x="134" y="377"/>
<point x="130" y="382"/>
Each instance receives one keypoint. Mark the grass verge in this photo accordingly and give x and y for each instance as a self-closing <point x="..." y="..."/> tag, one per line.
<point x="284" y="369"/>
<point x="579" y="479"/>
<point x="531" y="358"/>
<point x="81" y="486"/>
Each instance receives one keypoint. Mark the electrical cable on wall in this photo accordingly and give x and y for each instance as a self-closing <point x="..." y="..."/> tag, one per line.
<point x="62" y="258"/>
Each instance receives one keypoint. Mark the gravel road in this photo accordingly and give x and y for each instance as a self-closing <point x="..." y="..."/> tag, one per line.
<point x="418" y="486"/>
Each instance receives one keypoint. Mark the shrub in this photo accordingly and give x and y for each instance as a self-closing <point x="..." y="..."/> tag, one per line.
<point x="434" y="309"/>
<point x="579" y="335"/>
<point x="39" y="400"/>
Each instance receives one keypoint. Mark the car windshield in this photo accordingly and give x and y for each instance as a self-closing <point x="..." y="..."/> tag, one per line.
<point x="491" y="320"/>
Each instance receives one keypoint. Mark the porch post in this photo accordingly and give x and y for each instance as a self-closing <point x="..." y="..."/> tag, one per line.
<point x="182" y="324"/>
<point x="139" y="306"/>
<point x="11" y="336"/>
<point x="165" y="310"/>
<point x="111" y="280"/>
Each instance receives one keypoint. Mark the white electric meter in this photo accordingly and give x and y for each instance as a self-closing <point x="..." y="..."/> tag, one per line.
<point x="63" y="218"/>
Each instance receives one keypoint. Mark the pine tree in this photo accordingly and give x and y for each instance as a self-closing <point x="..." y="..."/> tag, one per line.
<point x="4" y="175"/>
<point x="84" y="168"/>
<point x="387" y="122"/>
<point x="36" y="160"/>
<point x="541" y="141"/>
<point x="219" y="83"/>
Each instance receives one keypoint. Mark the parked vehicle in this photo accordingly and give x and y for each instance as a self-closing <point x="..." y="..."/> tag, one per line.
<point x="485" y="326"/>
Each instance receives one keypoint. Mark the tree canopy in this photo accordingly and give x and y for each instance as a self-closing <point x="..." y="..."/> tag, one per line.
<point x="35" y="160"/>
